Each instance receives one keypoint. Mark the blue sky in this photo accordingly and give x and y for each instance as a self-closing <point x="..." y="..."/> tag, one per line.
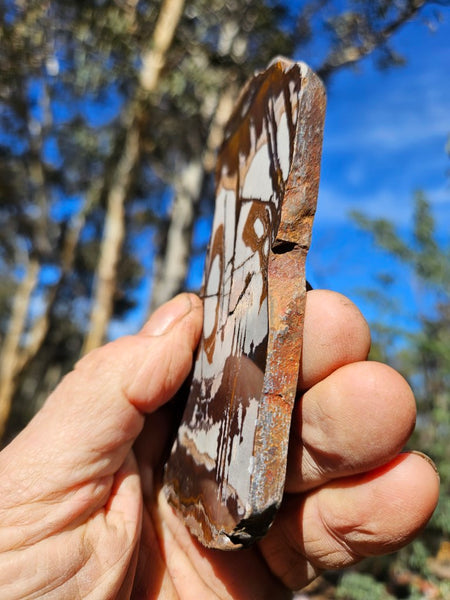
<point x="385" y="137"/>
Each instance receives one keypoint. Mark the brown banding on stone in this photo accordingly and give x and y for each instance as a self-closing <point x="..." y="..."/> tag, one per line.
<point x="226" y="472"/>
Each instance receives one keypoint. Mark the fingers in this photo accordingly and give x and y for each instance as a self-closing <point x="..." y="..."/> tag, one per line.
<point x="88" y="425"/>
<point x="356" y="419"/>
<point x="347" y="430"/>
<point x="355" y="415"/>
<point x="210" y="573"/>
<point x="352" y="518"/>
<point x="85" y="560"/>
<point x="148" y="368"/>
<point x="335" y="334"/>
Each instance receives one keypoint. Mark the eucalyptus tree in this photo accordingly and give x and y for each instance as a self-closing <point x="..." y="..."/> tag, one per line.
<point x="112" y="111"/>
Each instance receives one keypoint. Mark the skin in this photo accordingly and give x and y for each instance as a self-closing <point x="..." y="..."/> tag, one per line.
<point x="82" y="514"/>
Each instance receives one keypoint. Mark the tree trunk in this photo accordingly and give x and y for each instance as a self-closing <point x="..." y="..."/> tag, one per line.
<point x="10" y="356"/>
<point x="173" y="263"/>
<point x="171" y="268"/>
<point x="39" y="328"/>
<point x="154" y="59"/>
<point x="16" y="347"/>
<point x="114" y="229"/>
<point x="112" y="241"/>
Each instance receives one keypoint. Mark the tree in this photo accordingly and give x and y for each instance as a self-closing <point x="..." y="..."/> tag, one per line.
<point x="153" y="59"/>
<point x="422" y="354"/>
<point x="104" y="115"/>
<point x="243" y="32"/>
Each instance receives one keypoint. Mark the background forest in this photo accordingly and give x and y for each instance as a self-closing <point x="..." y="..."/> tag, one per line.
<point x="111" y="112"/>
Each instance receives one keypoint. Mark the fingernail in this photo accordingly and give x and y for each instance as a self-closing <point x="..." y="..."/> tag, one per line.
<point x="428" y="459"/>
<point x="168" y="314"/>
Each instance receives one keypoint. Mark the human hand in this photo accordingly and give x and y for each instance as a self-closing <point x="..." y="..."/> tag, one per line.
<point x="81" y="512"/>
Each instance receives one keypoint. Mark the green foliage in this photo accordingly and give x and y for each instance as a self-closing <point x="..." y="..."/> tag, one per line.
<point x="417" y="556"/>
<point x="69" y="90"/>
<point x="429" y="261"/>
<point x="441" y="518"/>
<point x="361" y="586"/>
<point x="423" y="356"/>
<point x="69" y="81"/>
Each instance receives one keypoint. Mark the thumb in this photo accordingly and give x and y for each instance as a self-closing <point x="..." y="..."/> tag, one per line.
<point x="89" y="423"/>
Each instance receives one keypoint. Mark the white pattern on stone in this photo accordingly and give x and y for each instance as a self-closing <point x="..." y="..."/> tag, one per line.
<point x="257" y="183"/>
<point x="283" y="146"/>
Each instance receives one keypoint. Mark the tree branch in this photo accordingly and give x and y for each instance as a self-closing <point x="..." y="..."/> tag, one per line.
<point x="347" y="55"/>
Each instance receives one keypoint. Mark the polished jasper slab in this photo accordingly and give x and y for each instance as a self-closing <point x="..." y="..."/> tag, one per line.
<point x="225" y="475"/>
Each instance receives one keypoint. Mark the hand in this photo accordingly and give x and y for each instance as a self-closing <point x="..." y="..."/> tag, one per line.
<point x="81" y="512"/>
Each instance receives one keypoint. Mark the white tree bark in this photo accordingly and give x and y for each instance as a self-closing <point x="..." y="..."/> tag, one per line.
<point x="114" y="229"/>
<point x="172" y="266"/>
<point x="112" y="241"/>
<point x="10" y="356"/>
<point x="154" y="59"/>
